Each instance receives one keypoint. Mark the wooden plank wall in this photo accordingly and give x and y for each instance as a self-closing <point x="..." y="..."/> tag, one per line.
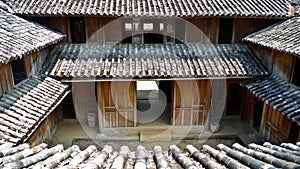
<point x="103" y="29"/>
<point x="6" y="78"/>
<point x="282" y="65"/>
<point x="201" y="30"/>
<point x="32" y="63"/>
<point x="84" y="98"/>
<point x="45" y="131"/>
<point x="264" y="55"/>
<point x="248" y="106"/>
<point x="116" y="104"/>
<point x="191" y="102"/>
<point x="275" y="127"/>
<point x="245" y="26"/>
<point x="277" y="63"/>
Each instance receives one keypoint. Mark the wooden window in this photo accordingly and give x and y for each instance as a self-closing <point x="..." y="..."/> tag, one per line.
<point x="127" y="30"/>
<point x="148" y="27"/>
<point x="78" y="30"/>
<point x="225" y="31"/>
<point x="138" y="30"/>
<point x="18" y="69"/>
<point x="128" y="27"/>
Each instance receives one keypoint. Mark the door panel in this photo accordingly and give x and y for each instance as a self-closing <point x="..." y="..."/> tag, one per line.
<point x="191" y="102"/>
<point x="118" y="104"/>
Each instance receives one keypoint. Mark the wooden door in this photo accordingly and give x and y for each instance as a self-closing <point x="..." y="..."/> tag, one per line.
<point x="78" y="30"/>
<point x="117" y="103"/>
<point x="191" y="102"/>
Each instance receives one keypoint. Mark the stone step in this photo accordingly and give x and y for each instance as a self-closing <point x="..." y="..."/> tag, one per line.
<point x="148" y="136"/>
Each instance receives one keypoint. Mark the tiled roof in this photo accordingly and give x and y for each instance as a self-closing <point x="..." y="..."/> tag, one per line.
<point x="20" y="37"/>
<point x="257" y="8"/>
<point x="279" y="94"/>
<point x="236" y="157"/>
<point x="153" y="61"/>
<point x="284" y="37"/>
<point x="24" y="108"/>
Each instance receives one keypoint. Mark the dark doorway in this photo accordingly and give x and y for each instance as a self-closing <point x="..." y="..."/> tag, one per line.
<point x="296" y="73"/>
<point x="234" y="99"/>
<point x="78" y="30"/>
<point x="153" y="31"/>
<point x="294" y="133"/>
<point x="225" y="31"/>
<point x="153" y="38"/>
<point x="257" y="114"/>
<point x="68" y="107"/>
<point x="154" y="104"/>
<point x="18" y="70"/>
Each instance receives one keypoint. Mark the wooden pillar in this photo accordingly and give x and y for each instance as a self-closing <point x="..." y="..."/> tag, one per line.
<point x="100" y="105"/>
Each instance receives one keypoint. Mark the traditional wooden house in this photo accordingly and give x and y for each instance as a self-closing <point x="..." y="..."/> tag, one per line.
<point x="272" y="103"/>
<point x="145" y="42"/>
<point x="29" y="102"/>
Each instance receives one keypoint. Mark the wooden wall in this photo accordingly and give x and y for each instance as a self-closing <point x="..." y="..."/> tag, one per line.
<point x="6" y="78"/>
<point x="201" y="30"/>
<point x="245" y="26"/>
<point x="45" y="131"/>
<point x="278" y="63"/>
<point x="282" y="65"/>
<point x="84" y="98"/>
<point x="111" y="32"/>
<point x="116" y="104"/>
<point x="275" y="127"/>
<point x="248" y="106"/>
<point x="32" y="63"/>
<point x="191" y="102"/>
